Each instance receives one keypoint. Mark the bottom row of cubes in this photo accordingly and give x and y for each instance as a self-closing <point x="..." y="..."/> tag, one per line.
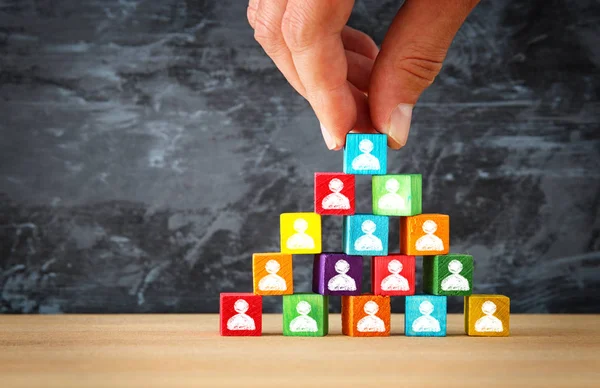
<point x="307" y="315"/>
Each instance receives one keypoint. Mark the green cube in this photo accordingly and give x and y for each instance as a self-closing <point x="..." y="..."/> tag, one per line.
<point x="397" y="195"/>
<point x="305" y="315"/>
<point x="448" y="275"/>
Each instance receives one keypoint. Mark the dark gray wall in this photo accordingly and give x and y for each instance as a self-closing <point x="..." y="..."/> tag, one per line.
<point x="148" y="147"/>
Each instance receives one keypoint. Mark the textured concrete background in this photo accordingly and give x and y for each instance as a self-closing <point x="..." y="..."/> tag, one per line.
<point x="148" y="147"/>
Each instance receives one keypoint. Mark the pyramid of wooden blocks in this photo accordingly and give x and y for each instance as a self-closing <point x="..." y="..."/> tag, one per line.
<point x="487" y="315"/>
<point x="366" y="316"/>
<point x="337" y="274"/>
<point x="393" y="274"/>
<point x="305" y="315"/>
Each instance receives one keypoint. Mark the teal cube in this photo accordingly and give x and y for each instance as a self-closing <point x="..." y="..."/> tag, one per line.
<point x="366" y="235"/>
<point x="365" y="154"/>
<point x="425" y="316"/>
<point x="397" y="195"/>
<point x="305" y="315"/>
<point x="449" y="275"/>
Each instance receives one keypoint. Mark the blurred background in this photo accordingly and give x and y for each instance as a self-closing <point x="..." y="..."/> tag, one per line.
<point x="148" y="147"/>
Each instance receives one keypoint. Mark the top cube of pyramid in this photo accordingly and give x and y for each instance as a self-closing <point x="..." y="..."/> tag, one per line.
<point x="365" y="154"/>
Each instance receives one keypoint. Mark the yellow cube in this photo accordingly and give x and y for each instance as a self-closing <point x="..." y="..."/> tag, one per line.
<point x="300" y="233"/>
<point x="487" y="315"/>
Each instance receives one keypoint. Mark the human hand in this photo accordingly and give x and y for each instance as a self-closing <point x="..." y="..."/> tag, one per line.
<point x="336" y="67"/>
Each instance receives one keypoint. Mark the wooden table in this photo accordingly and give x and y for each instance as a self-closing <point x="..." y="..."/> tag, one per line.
<point x="186" y="350"/>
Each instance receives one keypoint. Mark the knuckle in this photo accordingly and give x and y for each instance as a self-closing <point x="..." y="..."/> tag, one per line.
<point x="267" y="34"/>
<point x="296" y="28"/>
<point x="422" y="67"/>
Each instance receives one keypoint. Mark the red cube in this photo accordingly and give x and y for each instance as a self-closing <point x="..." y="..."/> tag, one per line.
<point x="393" y="275"/>
<point x="334" y="193"/>
<point x="241" y="314"/>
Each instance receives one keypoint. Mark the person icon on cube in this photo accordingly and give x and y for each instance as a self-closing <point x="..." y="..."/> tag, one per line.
<point x="335" y="200"/>
<point x="455" y="281"/>
<point x="371" y="323"/>
<point x="488" y="323"/>
<point x="365" y="161"/>
<point x="300" y="240"/>
<point x="395" y="281"/>
<point x="429" y="242"/>
<point x="368" y="242"/>
<point x="391" y="200"/>
<point x="426" y="323"/>
<point x="303" y="323"/>
<point x="341" y="281"/>
<point x="241" y="321"/>
<point x="272" y="281"/>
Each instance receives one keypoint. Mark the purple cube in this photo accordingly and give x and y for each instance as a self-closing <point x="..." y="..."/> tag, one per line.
<point x="337" y="274"/>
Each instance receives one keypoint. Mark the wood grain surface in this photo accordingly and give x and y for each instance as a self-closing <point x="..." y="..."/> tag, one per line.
<point x="187" y="351"/>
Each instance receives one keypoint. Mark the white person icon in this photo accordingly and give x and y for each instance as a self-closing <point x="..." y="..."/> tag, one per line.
<point x="303" y="323"/>
<point x="300" y="240"/>
<point x="429" y="242"/>
<point x="341" y="281"/>
<point x="394" y="281"/>
<point x="368" y="242"/>
<point x="371" y="323"/>
<point x="241" y="321"/>
<point x="335" y="200"/>
<point x="391" y="200"/>
<point x="426" y="323"/>
<point x="488" y="323"/>
<point x="365" y="161"/>
<point x="455" y="281"/>
<point x="272" y="281"/>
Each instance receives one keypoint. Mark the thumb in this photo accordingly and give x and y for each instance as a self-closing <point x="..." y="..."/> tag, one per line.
<point x="411" y="57"/>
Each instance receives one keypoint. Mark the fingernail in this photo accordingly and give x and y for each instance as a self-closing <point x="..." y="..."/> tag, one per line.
<point x="399" y="125"/>
<point x="329" y="140"/>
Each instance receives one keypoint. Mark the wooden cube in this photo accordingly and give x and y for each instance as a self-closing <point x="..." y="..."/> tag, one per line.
<point x="487" y="315"/>
<point x="393" y="275"/>
<point x="305" y="315"/>
<point x="272" y="273"/>
<point x="365" y="154"/>
<point x="425" y="235"/>
<point x="334" y="193"/>
<point x="365" y="234"/>
<point x="397" y="195"/>
<point x="337" y="274"/>
<point x="366" y="316"/>
<point x="300" y="233"/>
<point x="240" y="314"/>
<point x="425" y="316"/>
<point x="448" y="275"/>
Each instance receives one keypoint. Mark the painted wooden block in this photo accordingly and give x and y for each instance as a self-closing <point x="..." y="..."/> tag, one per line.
<point x="393" y="275"/>
<point x="397" y="195"/>
<point x="365" y="154"/>
<point x="240" y="314"/>
<point x="305" y="315"/>
<point x="448" y="275"/>
<point x="425" y="235"/>
<point x="366" y="234"/>
<point x="425" y="316"/>
<point x="337" y="274"/>
<point x="487" y="315"/>
<point x="334" y="193"/>
<point x="272" y="273"/>
<point x="300" y="233"/>
<point x="366" y="316"/>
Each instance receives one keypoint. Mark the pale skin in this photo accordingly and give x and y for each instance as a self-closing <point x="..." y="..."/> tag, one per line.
<point x="350" y="83"/>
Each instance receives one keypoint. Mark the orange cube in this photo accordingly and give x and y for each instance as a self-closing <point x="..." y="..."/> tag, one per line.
<point x="272" y="274"/>
<point x="425" y="235"/>
<point x="366" y="315"/>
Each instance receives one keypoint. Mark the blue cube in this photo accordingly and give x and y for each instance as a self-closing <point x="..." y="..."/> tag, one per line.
<point x="366" y="235"/>
<point x="425" y="316"/>
<point x="365" y="154"/>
